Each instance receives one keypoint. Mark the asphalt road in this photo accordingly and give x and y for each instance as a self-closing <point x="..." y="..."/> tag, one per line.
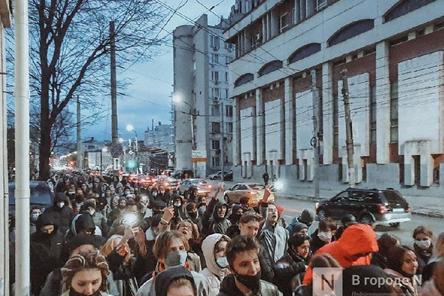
<point x="294" y="207"/>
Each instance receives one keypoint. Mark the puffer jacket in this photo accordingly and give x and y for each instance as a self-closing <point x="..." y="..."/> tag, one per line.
<point x="289" y="272"/>
<point x="356" y="239"/>
<point x="212" y="272"/>
<point x="228" y="288"/>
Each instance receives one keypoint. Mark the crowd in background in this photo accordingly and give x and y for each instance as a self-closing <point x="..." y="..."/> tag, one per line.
<point x="108" y="236"/>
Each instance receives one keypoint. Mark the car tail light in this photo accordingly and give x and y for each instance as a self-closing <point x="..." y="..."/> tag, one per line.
<point x="381" y="209"/>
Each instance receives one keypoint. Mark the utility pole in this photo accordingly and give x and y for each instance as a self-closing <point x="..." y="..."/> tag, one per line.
<point x="22" y="192"/>
<point x="222" y="142"/>
<point x="315" y="139"/>
<point x="348" y="130"/>
<point x="115" y="137"/>
<point x="79" y="138"/>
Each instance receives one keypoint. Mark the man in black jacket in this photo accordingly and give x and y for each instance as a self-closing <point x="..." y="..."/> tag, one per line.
<point x="61" y="212"/>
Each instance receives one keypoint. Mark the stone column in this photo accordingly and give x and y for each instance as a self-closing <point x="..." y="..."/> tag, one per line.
<point x="289" y="122"/>
<point x="260" y="127"/>
<point x="382" y="103"/>
<point x="236" y="132"/>
<point x="327" y="116"/>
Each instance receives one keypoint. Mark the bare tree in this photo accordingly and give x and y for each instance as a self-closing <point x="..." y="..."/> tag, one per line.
<point x="69" y="46"/>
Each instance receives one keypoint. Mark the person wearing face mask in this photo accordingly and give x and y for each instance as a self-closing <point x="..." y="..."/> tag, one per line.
<point x="289" y="270"/>
<point x="245" y="278"/>
<point x="170" y="249"/>
<point x="61" y="212"/>
<point x="191" y="232"/>
<point x="403" y="265"/>
<point x="214" y="248"/>
<point x="46" y="250"/>
<point x="422" y="246"/>
<point x="35" y="213"/>
<point x="89" y="207"/>
<point x="85" y="274"/>
<point x="323" y="235"/>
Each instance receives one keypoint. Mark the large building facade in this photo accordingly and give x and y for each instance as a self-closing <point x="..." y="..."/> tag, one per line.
<point x="203" y="110"/>
<point x="160" y="136"/>
<point x="393" y="56"/>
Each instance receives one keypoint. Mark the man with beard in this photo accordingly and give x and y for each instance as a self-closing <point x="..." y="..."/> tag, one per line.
<point x="46" y="250"/>
<point x="243" y="258"/>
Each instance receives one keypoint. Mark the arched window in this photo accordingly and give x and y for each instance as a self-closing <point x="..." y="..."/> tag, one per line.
<point x="303" y="52"/>
<point x="245" y="78"/>
<point x="351" y="30"/>
<point x="270" y="67"/>
<point x="403" y="7"/>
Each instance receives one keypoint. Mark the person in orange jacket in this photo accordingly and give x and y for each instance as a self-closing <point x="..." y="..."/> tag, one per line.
<point x="354" y="247"/>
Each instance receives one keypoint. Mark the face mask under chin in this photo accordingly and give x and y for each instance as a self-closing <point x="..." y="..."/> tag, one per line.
<point x="251" y="282"/>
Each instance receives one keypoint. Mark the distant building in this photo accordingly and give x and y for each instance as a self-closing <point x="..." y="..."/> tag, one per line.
<point x="160" y="136"/>
<point x="393" y="53"/>
<point x="201" y="79"/>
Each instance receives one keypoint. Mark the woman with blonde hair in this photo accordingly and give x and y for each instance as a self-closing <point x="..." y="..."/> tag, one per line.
<point x="85" y="274"/>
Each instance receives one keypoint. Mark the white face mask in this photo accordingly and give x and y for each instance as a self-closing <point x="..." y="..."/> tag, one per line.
<point x="61" y="204"/>
<point x="325" y="236"/>
<point x="423" y="244"/>
<point x="222" y="262"/>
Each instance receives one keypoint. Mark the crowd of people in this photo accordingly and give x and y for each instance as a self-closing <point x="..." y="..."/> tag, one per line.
<point x="107" y="236"/>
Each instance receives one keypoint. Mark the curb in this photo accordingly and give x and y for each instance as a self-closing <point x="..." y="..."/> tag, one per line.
<point x="426" y="213"/>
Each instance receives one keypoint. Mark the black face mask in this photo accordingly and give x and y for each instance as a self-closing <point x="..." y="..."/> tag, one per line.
<point x="251" y="282"/>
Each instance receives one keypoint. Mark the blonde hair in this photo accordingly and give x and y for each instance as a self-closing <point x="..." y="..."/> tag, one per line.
<point x="82" y="261"/>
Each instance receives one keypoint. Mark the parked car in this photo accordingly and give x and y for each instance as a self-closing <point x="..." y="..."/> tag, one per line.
<point x="182" y="174"/>
<point x="168" y="182"/>
<point x="371" y="206"/>
<point x="228" y="176"/>
<point x="203" y="187"/>
<point x="41" y="197"/>
<point x="250" y="193"/>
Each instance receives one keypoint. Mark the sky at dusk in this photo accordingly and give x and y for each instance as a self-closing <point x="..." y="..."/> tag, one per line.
<point x="148" y="96"/>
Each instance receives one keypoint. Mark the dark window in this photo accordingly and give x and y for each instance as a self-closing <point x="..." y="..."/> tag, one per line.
<point x="303" y="52"/>
<point x="215" y="144"/>
<point x="403" y="7"/>
<point x="229" y="111"/>
<point x="394" y="198"/>
<point x="355" y="196"/>
<point x="270" y="67"/>
<point x="373" y="115"/>
<point x="351" y="30"/>
<point x="215" y="127"/>
<point x="244" y="79"/>
<point x="394" y="112"/>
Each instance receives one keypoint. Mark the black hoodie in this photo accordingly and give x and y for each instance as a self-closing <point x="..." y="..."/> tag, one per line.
<point x="62" y="216"/>
<point x="164" y="279"/>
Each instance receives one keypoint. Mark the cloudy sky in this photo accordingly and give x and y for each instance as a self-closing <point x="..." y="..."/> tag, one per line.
<point x="149" y="95"/>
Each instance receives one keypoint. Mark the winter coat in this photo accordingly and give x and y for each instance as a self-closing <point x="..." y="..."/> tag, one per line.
<point x="428" y="269"/>
<point x="164" y="279"/>
<point x="62" y="216"/>
<point x="212" y="272"/>
<point x="407" y="285"/>
<point x="46" y="252"/>
<point x="228" y="288"/>
<point x="423" y="256"/>
<point x="289" y="272"/>
<point x="274" y="239"/>
<point x="148" y="288"/>
<point x="316" y="243"/>
<point x="356" y="239"/>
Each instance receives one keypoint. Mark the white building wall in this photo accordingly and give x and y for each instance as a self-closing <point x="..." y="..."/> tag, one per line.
<point x="421" y="114"/>
<point x="304" y="133"/>
<point x="247" y="125"/>
<point x="272" y="128"/>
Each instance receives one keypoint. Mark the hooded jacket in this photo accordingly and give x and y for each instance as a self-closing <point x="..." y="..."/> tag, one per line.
<point x="228" y="288"/>
<point x="45" y="253"/>
<point x="164" y="279"/>
<point x="356" y="239"/>
<point x="212" y="272"/>
<point x="289" y="271"/>
<point x="62" y="216"/>
<point x="219" y="225"/>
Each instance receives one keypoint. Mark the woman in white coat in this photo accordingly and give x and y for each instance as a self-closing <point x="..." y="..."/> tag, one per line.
<point x="214" y="248"/>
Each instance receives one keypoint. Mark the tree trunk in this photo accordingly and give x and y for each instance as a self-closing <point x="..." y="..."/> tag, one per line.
<point x="45" y="128"/>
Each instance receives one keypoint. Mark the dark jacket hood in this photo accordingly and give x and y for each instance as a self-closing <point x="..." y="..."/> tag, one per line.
<point x="45" y="219"/>
<point x="60" y="196"/>
<point x="216" y="208"/>
<point x="165" y="278"/>
<point x="82" y="222"/>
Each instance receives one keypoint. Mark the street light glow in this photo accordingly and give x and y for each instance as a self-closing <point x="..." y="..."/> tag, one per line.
<point x="177" y="98"/>
<point x="129" y="127"/>
<point x="121" y="140"/>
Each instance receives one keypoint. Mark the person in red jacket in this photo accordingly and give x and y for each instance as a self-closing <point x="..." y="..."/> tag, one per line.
<point x="354" y="247"/>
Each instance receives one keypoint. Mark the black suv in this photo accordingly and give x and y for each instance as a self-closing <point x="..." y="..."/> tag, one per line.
<point x="367" y="205"/>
